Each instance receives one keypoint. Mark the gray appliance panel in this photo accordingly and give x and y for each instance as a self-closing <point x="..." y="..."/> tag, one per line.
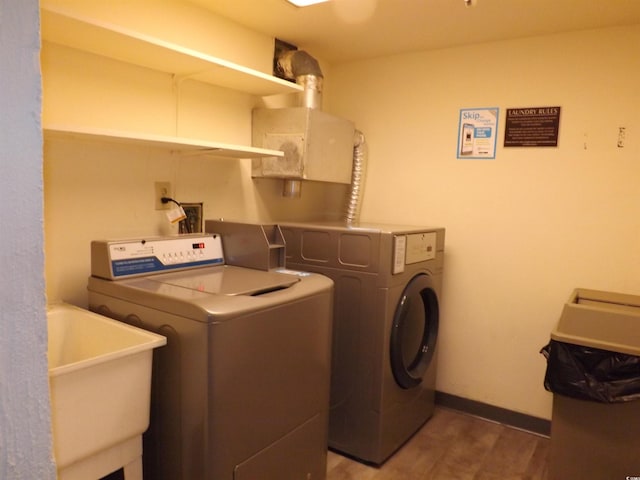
<point x="238" y="396"/>
<point x="227" y="281"/>
<point x="179" y="293"/>
<point x="371" y="415"/>
<point x="242" y="385"/>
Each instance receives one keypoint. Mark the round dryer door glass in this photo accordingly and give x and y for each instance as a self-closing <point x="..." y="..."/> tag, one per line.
<point x="414" y="331"/>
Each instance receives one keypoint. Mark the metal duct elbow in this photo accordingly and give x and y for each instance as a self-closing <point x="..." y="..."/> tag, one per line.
<point x="295" y="63"/>
<point x="298" y="65"/>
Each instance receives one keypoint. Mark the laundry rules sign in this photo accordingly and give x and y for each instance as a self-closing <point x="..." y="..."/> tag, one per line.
<point x="532" y="127"/>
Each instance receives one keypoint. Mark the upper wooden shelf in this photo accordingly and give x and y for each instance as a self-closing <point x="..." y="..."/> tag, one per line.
<point x="120" y="43"/>
<point x="175" y="144"/>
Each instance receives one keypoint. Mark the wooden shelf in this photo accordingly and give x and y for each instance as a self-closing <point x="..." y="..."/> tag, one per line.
<point x="120" y="43"/>
<point x="179" y="145"/>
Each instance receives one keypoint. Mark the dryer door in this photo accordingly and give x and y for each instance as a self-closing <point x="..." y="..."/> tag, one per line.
<point x="414" y="331"/>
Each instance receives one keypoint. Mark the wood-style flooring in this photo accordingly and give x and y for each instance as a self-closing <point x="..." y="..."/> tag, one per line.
<point x="455" y="446"/>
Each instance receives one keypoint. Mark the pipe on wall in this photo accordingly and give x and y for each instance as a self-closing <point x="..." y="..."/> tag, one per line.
<point x="357" y="178"/>
<point x="298" y="65"/>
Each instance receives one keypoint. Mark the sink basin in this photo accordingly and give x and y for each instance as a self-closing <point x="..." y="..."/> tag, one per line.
<point x="100" y="383"/>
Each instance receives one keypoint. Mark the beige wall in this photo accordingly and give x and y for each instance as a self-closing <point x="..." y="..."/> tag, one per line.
<point x="524" y="229"/>
<point x="96" y="190"/>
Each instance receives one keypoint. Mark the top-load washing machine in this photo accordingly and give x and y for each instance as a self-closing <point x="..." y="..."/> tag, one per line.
<point x="241" y="390"/>
<point x="386" y="315"/>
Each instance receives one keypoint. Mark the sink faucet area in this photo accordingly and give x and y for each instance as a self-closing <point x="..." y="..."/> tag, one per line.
<point x="100" y="383"/>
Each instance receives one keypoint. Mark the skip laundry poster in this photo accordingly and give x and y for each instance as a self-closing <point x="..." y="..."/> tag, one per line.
<point x="477" y="133"/>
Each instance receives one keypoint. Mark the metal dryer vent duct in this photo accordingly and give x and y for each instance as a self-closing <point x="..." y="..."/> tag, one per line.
<point x="317" y="146"/>
<point x="298" y="65"/>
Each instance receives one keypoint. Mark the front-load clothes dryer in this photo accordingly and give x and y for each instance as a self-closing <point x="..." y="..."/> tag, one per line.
<point x="386" y="316"/>
<point x="241" y="390"/>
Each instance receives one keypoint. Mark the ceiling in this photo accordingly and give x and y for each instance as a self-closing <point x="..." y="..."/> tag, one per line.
<point x="347" y="30"/>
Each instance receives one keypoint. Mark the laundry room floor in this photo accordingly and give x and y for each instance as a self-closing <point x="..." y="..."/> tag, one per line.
<point x="455" y="446"/>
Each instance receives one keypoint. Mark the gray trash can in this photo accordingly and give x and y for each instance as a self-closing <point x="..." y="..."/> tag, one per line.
<point x="597" y="439"/>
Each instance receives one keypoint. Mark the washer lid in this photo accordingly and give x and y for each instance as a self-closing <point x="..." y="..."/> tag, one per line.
<point x="227" y="280"/>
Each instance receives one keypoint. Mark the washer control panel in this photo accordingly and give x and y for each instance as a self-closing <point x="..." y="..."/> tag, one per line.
<point x="115" y="259"/>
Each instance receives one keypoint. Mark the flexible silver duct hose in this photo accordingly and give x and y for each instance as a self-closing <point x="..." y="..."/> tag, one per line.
<point x="357" y="178"/>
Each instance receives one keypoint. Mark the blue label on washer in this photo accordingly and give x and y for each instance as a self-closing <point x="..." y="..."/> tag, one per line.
<point x="137" y="266"/>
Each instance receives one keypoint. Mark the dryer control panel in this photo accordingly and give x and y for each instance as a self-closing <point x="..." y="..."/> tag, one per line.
<point x="413" y="248"/>
<point x="421" y="247"/>
<point x="115" y="259"/>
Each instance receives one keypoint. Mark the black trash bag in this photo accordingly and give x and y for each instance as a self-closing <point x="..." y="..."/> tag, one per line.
<point x="592" y="374"/>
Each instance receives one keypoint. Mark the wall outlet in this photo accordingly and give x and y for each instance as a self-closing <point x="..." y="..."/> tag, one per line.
<point x="193" y="211"/>
<point x="162" y="189"/>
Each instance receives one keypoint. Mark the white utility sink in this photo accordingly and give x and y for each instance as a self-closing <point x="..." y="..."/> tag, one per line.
<point x="100" y="383"/>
